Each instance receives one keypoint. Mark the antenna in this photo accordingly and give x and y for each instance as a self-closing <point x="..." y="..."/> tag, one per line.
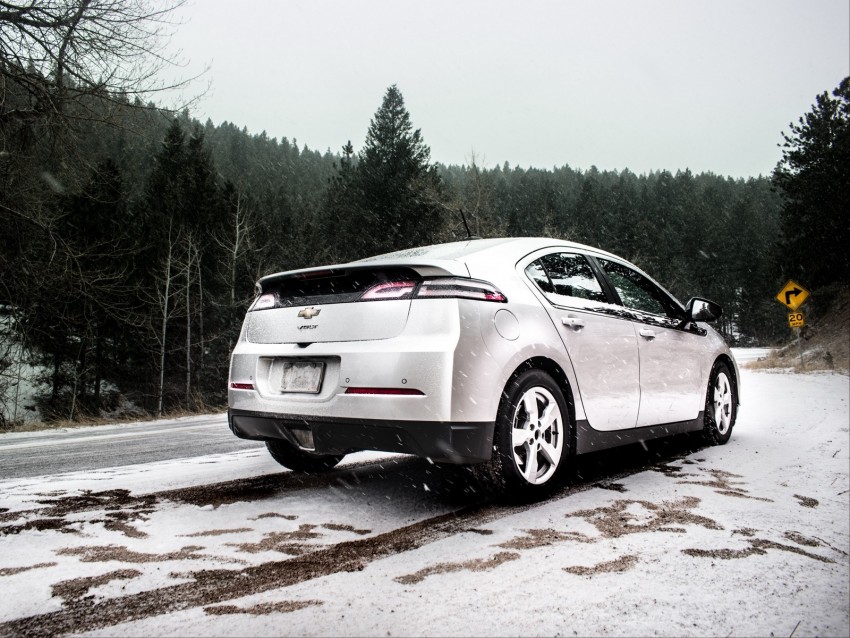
<point x="469" y="235"/>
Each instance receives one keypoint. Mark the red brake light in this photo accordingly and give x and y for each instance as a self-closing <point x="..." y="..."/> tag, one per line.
<point x="242" y="386"/>
<point x="393" y="391"/>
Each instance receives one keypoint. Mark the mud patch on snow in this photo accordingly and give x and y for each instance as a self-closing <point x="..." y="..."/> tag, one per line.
<point x="479" y="531"/>
<point x="42" y="525"/>
<point x="288" y="517"/>
<point x="346" y="528"/>
<point x="219" y="532"/>
<point x="622" y="564"/>
<point x="667" y="469"/>
<point x="758" y="546"/>
<point x="797" y="537"/>
<point x="745" y="531"/>
<point x="631" y="517"/>
<point x="475" y="565"/>
<point x="78" y="588"/>
<point x="120" y="507"/>
<point x="211" y="586"/>
<point x="806" y="501"/>
<point x="6" y="515"/>
<point x="106" y="553"/>
<point x="11" y="571"/>
<point x="543" y="537"/>
<point x="109" y="500"/>
<point x="282" y="542"/>
<point x="614" y="487"/>
<point x="723" y="484"/>
<point x="120" y="522"/>
<point x="263" y="609"/>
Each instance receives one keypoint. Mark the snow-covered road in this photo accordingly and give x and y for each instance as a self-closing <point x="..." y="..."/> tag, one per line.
<point x="746" y="539"/>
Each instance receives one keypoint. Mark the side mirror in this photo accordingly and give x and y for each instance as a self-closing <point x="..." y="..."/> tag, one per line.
<point x="700" y="309"/>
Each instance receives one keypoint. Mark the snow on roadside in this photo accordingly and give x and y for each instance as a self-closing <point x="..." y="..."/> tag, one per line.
<point x="751" y="538"/>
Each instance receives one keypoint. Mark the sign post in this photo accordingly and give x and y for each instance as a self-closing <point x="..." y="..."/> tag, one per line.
<point x="794" y="295"/>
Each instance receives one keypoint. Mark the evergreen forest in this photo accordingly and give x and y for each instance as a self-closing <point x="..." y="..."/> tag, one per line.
<point x="131" y="236"/>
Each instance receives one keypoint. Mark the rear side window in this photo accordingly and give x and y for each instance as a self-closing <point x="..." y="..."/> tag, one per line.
<point x="567" y="279"/>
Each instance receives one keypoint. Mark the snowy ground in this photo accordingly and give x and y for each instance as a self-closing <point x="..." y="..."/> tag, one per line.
<point x="751" y="538"/>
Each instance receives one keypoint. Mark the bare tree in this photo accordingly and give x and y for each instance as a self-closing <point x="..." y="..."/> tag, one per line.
<point x="166" y="310"/>
<point x="56" y="53"/>
<point x="235" y="244"/>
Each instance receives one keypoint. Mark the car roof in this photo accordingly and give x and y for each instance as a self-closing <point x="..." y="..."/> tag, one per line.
<point x="453" y="258"/>
<point x="479" y="248"/>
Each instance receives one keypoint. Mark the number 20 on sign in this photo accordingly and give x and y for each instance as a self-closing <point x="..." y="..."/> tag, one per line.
<point x="796" y="320"/>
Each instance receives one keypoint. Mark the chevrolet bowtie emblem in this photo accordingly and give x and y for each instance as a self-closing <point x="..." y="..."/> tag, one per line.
<point x="308" y="313"/>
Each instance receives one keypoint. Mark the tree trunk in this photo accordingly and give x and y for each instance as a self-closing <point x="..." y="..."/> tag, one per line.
<point x="188" y="327"/>
<point x="164" y="327"/>
<point x="98" y="367"/>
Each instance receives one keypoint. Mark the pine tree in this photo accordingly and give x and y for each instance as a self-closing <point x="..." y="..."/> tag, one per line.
<point x="393" y="190"/>
<point x="813" y="176"/>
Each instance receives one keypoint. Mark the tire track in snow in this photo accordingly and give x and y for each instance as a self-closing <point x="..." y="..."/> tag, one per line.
<point x="212" y="586"/>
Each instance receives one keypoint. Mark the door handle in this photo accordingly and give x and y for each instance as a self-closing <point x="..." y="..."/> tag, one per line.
<point x="576" y="323"/>
<point x="647" y="334"/>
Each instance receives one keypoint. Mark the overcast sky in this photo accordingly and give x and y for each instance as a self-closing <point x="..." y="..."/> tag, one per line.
<point x="708" y="85"/>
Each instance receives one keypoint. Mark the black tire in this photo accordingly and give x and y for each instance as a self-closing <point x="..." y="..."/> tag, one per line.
<point x="721" y="405"/>
<point x="301" y="461"/>
<point x="530" y="451"/>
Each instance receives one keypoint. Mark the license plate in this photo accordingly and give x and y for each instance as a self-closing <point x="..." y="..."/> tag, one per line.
<point x="302" y="376"/>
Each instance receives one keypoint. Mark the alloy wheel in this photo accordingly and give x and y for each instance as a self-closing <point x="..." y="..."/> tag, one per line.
<point x="537" y="435"/>
<point x="722" y="403"/>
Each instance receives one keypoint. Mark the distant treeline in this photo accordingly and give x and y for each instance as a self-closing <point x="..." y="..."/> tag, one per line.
<point x="132" y="239"/>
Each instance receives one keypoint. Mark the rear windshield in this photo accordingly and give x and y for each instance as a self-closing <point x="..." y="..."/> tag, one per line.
<point x="332" y="286"/>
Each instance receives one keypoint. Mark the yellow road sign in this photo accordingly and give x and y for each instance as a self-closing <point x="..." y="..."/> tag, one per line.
<point x="792" y="295"/>
<point x="796" y="320"/>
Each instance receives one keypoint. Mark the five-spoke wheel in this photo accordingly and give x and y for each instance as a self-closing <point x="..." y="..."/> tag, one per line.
<point x="531" y="440"/>
<point x="721" y="404"/>
<point x="537" y="435"/>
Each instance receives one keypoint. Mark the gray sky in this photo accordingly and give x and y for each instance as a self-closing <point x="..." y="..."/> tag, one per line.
<point x="708" y="85"/>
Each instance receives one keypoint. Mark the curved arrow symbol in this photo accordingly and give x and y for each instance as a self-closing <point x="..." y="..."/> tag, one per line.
<point x="791" y="293"/>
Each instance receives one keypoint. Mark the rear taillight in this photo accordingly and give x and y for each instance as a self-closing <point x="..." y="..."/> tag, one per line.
<point x="389" y="290"/>
<point x="436" y="288"/>
<point x="328" y="291"/>
<point x="460" y="288"/>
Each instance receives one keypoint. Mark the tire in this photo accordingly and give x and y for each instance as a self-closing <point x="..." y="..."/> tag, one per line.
<point x="297" y="460"/>
<point x="531" y="439"/>
<point x="721" y="405"/>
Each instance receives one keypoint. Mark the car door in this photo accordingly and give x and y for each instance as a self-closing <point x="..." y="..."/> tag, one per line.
<point x="602" y="346"/>
<point x="670" y="348"/>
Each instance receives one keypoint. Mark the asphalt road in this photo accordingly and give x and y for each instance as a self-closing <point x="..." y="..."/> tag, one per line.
<point x="29" y="454"/>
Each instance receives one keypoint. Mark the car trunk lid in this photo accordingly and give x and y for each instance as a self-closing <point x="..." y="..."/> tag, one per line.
<point x="345" y="303"/>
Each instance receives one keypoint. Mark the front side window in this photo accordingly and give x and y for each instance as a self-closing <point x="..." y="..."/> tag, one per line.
<point x="637" y="292"/>
<point x="567" y="279"/>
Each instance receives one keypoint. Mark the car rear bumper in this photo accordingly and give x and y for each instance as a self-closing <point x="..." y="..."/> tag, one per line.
<point x="439" y="441"/>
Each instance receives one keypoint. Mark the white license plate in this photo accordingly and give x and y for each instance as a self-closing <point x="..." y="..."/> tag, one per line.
<point x="302" y="376"/>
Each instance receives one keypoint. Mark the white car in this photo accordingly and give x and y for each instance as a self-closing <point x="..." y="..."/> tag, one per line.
<point x="514" y="354"/>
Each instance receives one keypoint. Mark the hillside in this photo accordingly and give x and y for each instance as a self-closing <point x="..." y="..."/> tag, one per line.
<point x="825" y="339"/>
